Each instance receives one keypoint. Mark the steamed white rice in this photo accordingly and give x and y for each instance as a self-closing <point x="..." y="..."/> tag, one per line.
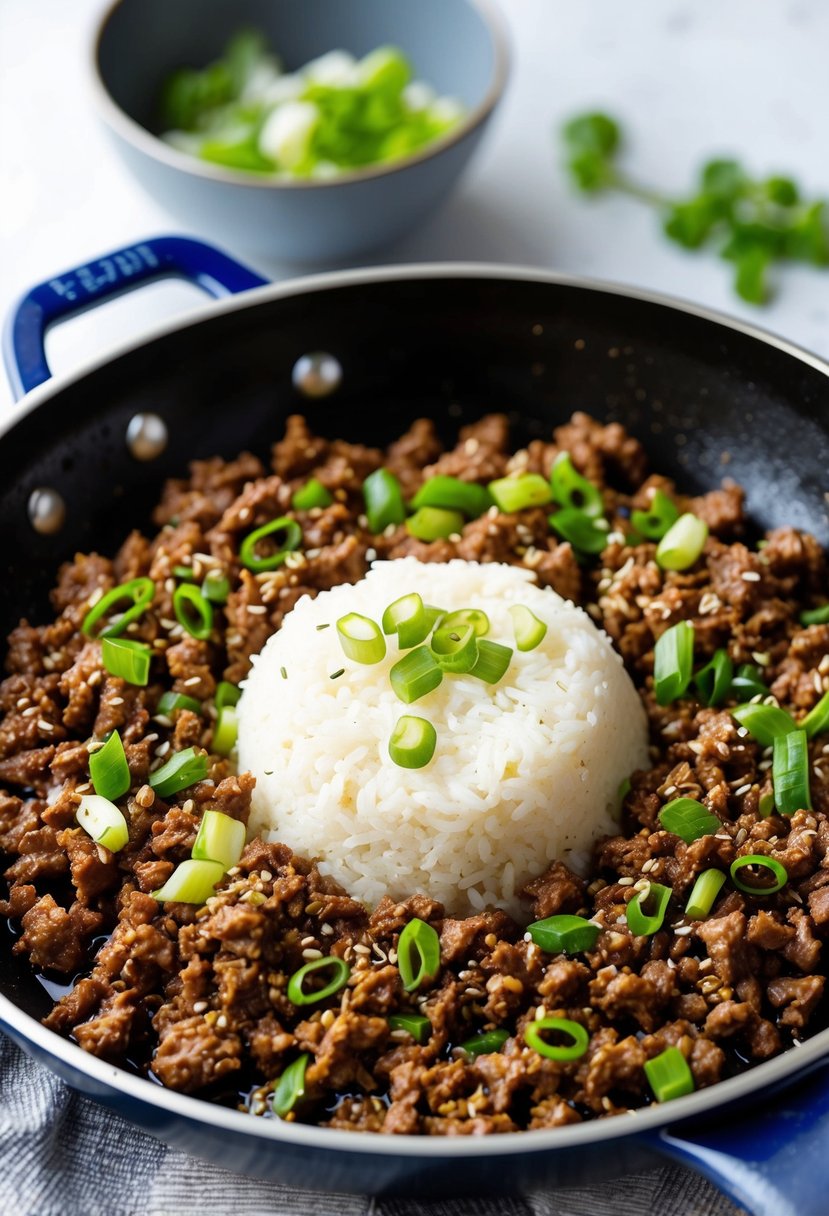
<point x="524" y="772"/>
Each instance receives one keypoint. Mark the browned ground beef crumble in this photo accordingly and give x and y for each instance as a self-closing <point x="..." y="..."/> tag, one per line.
<point x="197" y="994"/>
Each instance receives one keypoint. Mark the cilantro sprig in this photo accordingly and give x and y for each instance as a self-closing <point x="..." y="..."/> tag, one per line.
<point x="751" y="222"/>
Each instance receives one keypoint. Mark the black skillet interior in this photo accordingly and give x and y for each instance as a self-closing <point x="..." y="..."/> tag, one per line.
<point x="707" y="401"/>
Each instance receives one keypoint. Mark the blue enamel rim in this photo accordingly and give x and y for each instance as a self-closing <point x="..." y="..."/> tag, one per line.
<point x="776" y="1073"/>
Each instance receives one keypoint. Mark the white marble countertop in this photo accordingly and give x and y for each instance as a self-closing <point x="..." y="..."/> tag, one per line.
<point x="688" y="80"/>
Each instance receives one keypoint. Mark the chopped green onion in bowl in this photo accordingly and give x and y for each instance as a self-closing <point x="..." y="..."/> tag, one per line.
<point x="103" y="821"/>
<point x="219" y="838"/>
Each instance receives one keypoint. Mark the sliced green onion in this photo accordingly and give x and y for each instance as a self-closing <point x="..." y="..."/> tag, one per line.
<point x="817" y="719"/>
<point x="226" y="731"/>
<point x="493" y="661"/>
<point x="219" y="838"/>
<point x="291" y="537"/>
<point x="434" y="523"/>
<point x="191" y="882"/>
<point x="688" y="819"/>
<point x="103" y="821"/>
<point x="579" y="1038"/>
<point x="682" y="544"/>
<point x="138" y="593"/>
<point x="572" y="490"/>
<point x="312" y="494"/>
<point x="528" y="629"/>
<point x="183" y="769"/>
<point x="673" y="662"/>
<point x="704" y="892"/>
<point x="765" y="723"/>
<point x="185" y="573"/>
<point x="339" y="971"/>
<point x="763" y="863"/>
<point x="409" y="619"/>
<point x="454" y="495"/>
<point x="564" y="934"/>
<point x="485" y="1044"/>
<point x="415" y="675"/>
<point x="713" y="681"/>
<point x="579" y="529"/>
<point x="455" y="650"/>
<point x="108" y="769"/>
<point x="216" y="587"/>
<point x="790" y="773"/>
<point x="517" y="493"/>
<point x="413" y="742"/>
<point x="765" y="806"/>
<point x="193" y="612"/>
<point x="361" y="639"/>
<point x="643" y="923"/>
<point x="169" y="702"/>
<point x="226" y="694"/>
<point x="748" y="682"/>
<point x="290" y="1087"/>
<point x="418" y="954"/>
<point x="669" y="1075"/>
<point x="661" y="515"/>
<point x="815" y="616"/>
<point x="415" y="1024"/>
<point x="127" y="659"/>
<point x="467" y="616"/>
<point x="383" y="499"/>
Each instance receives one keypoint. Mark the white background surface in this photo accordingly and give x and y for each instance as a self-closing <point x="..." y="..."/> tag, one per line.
<point x="688" y="78"/>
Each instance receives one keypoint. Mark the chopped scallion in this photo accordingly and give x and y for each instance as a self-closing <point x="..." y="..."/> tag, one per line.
<point x="183" y="769"/>
<point x="226" y="694"/>
<point x="216" y="587"/>
<point x="108" y="769"/>
<point x="193" y="612"/>
<point x="493" y="661"/>
<point x="103" y="821"/>
<point x="127" y="659"/>
<point x="518" y="493"/>
<point x="137" y="593"/>
<point x="415" y="675"/>
<point x="434" y="523"/>
<point x="384" y="500"/>
<point x="220" y="838"/>
<point x="415" y="1024"/>
<point x="748" y="683"/>
<point x="454" y="495"/>
<point x="485" y="1044"/>
<point x="817" y="719"/>
<point x="790" y="772"/>
<point x="456" y="650"/>
<point x="312" y="494"/>
<point x="688" y="819"/>
<point x="337" y="968"/>
<point x="226" y="731"/>
<point x="528" y="629"/>
<point x="571" y="489"/>
<point x="669" y="1075"/>
<point x="764" y="722"/>
<point x="191" y="882"/>
<point x="673" y="661"/>
<point x="682" y="544"/>
<point x="170" y="702"/>
<point x="361" y="639"/>
<point x="661" y="515"/>
<point x="759" y="862"/>
<point x="413" y="742"/>
<point x="713" y="681"/>
<point x="418" y="954"/>
<point x="185" y="573"/>
<point x="290" y="1088"/>
<point x="642" y="922"/>
<point x="467" y="616"/>
<point x="573" y="1050"/>
<point x="704" y="892"/>
<point x="284" y="529"/>
<point x="563" y="934"/>
<point x="409" y="619"/>
<point x="815" y="616"/>
<point x="582" y="531"/>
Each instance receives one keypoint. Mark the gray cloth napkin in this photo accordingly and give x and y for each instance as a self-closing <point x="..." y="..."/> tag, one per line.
<point x="62" y="1155"/>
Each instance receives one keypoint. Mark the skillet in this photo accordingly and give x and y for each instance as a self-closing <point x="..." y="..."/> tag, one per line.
<point x="708" y="396"/>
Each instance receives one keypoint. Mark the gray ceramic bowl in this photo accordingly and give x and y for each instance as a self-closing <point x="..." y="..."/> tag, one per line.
<point x="458" y="46"/>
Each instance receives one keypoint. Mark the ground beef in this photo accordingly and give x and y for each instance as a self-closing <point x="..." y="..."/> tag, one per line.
<point x="197" y="996"/>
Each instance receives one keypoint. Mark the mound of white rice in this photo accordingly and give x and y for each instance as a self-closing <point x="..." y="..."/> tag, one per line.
<point x="524" y="772"/>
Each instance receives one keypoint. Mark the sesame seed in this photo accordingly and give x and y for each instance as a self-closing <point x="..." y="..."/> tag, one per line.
<point x="625" y="882"/>
<point x="750" y="576"/>
<point x="257" y="609"/>
<point x="192" y="681"/>
<point x="199" y="1006"/>
<point x="359" y="948"/>
<point x="684" y="930"/>
<point x="742" y="790"/>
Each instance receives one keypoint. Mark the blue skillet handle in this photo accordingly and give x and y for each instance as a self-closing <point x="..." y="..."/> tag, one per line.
<point x="87" y="286"/>
<point x="773" y="1161"/>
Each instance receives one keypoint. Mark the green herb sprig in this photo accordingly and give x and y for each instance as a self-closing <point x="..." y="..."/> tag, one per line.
<point x="751" y="222"/>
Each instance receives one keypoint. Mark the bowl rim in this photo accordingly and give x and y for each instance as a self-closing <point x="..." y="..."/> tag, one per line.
<point x="648" y="1122"/>
<point x="152" y="145"/>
